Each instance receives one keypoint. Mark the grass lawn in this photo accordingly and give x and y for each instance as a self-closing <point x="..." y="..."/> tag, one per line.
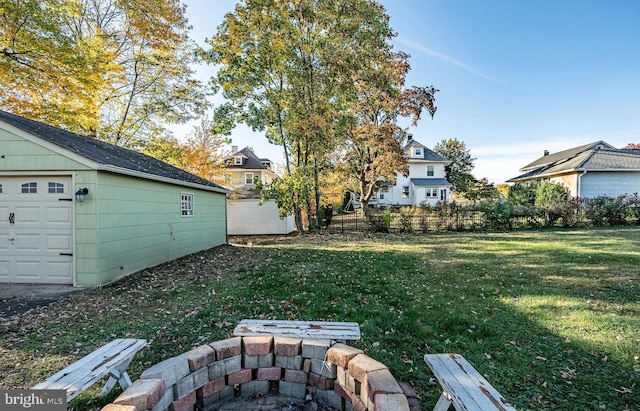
<point x="551" y="318"/>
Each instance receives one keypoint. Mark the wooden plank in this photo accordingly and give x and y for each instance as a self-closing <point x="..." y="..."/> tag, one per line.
<point x="90" y="369"/>
<point x="299" y="329"/>
<point x="468" y="389"/>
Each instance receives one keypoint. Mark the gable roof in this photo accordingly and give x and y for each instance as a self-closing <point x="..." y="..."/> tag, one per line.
<point x="252" y="161"/>
<point x="107" y="156"/>
<point x="427" y="154"/>
<point x="598" y="156"/>
<point x="565" y="154"/>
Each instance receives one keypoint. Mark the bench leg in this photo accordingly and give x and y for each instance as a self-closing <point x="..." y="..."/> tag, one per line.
<point x="444" y="402"/>
<point x="120" y="376"/>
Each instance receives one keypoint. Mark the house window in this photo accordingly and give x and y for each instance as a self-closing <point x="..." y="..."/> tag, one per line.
<point x="431" y="193"/>
<point x="405" y="191"/>
<point x="248" y="178"/>
<point x="237" y="161"/>
<point x="56" y="188"/>
<point x="30" y="188"/>
<point x="186" y="205"/>
<point x="429" y="171"/>
<point x="381" y="195"/>
<point x="443" y="194"/>
<point x="417" y="152"/>
<point x="0" y="188"/>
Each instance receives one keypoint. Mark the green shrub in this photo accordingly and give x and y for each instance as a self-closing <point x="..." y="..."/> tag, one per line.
<point x="603" y="210"/>
<point x="497" y="214"/>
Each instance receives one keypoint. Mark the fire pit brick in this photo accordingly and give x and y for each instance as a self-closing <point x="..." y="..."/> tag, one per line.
<point x="341" y="354"/>
<point x="270" y="374"/>
<point x="337" y="376"/>
<point x="185" y="403"/>
<point x="199" y="357"/>
<point x="230" y="347"/>
<point x="257" y="345"/>
<point x="286" y="346"/>
<point x="240" y="377"/>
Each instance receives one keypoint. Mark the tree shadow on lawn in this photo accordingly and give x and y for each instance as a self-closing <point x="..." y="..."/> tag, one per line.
<point x="409" y="301"/>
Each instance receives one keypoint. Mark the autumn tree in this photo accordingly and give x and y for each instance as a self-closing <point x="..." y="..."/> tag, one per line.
<point x="374" y="141"/>
<point x="288" y="67"/>
<point x="202" y="153"/>
<point x="118" y="70"/>
<point x="45" y="72"/>
<point x="458" y="172"/>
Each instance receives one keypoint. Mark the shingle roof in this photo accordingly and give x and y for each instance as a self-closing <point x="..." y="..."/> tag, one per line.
<point x="427" y="154"/>
<point x="598" y="156"/>
<point x="252" y="161"/>
<point x="104" y="153"/>
<point x="562" y="155"/>
<point x="430" y="182"/>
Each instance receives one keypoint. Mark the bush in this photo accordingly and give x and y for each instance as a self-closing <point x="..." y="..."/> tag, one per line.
<point x="497" y="214"/>
<point x="406" y="219"/>
<point x="380" y="221"/>
<point x="604" y="210"/>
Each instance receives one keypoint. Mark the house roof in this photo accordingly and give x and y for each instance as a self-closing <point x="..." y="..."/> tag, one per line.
<point x="563" y="155"/>
<point x="427" y="154"/>
<point x="252" y="161"/>
<point x="430" y="182"/>
<point x="109" y="157"/>
<point x="598" y="156"/>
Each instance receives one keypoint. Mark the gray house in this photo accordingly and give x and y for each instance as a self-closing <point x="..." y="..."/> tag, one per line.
<point x="75" y="210"/>
<point x="591" y="170"/>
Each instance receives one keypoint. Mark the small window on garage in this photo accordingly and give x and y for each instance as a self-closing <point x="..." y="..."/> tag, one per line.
<point x="187" y="205"/>
<point x="30" y="188"/>
<point x="0" y="188"/>
<point x="56" y="188"/>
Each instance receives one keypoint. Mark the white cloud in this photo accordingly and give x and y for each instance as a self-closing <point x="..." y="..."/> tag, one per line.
<point x="448" y="59"/>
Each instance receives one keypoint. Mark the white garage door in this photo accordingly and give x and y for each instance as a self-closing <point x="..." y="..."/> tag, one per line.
<point x="36" y="243"/>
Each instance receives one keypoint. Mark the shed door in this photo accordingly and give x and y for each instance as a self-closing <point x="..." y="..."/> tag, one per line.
<point x="36" y="243"/>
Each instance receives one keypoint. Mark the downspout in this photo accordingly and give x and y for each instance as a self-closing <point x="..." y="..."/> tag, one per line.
<point x="579" y="185"/>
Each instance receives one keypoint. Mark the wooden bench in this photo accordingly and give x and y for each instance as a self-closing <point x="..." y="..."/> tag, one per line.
<point x="339" y="331"/>
<point x="111" y="359"/>
<point x="463" y="386"/>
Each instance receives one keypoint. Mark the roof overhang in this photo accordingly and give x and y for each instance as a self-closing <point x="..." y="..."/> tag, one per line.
<point x="147" y="176"/>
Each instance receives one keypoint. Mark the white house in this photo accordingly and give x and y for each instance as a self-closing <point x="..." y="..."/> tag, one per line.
<point x="426" y="182"/>
<point x="591" y="170"/>
<point x="245" y="173"/>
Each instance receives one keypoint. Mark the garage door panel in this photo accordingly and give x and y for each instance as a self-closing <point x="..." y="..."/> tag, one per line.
<point x="27" y="215"/>
<point x="58" y="243"/>
<point x="28" y="269"/>
<point x="4" y="269"/>
<point x="28" y="242"/>
<point x="58" y="271"/>
<point x="58" y="215"/>
<point x="41" y="230"/>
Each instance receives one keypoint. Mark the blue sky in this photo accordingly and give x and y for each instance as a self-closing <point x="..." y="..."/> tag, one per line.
<point x="515" y="77"/>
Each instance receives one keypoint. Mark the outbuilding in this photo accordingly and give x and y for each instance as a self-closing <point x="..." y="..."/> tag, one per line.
<point x="76" y="210"/>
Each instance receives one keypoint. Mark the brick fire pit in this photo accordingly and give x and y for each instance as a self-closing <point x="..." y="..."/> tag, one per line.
<point x="205" y="378"/>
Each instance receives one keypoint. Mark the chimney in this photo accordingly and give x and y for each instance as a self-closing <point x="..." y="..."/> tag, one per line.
<point x="546" y="152"/>
<point x="234" y="149"/>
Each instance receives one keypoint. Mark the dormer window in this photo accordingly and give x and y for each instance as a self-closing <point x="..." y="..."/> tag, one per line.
<point x="237" y="161"/>
<point x="417" y="152"/>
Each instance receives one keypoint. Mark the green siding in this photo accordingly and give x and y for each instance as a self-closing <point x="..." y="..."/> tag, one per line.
<point x="125" y="224"/>
<point x="23" y="155"/>
<point x="139" y="224"/>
